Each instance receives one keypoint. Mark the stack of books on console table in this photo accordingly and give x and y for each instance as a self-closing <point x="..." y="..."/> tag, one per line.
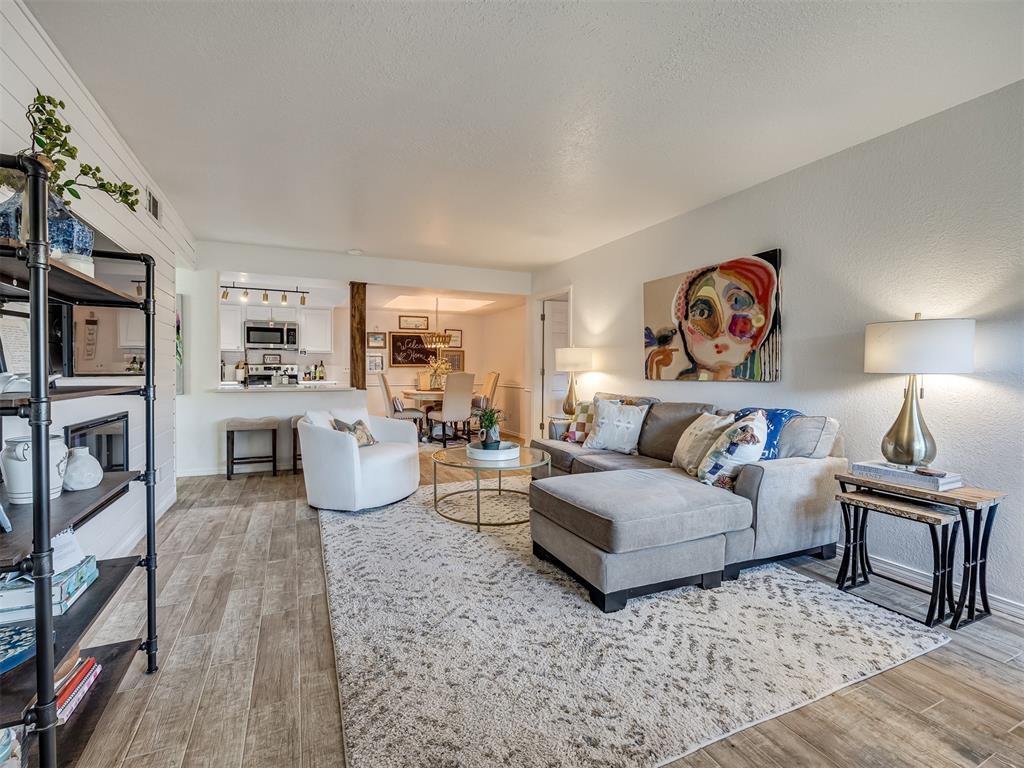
<point x="929" y="479"/>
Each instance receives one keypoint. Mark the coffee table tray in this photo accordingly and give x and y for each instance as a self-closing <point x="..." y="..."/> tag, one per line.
<point x="506" y="450"/>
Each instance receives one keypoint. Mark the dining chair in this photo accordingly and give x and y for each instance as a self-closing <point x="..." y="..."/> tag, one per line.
<point x="456" y="407"/>
<point x="406" y="414"/>
<point x="486" y="396"/>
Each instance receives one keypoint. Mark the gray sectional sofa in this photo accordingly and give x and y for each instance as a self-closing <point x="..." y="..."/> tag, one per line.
<point x="631" y="525"/>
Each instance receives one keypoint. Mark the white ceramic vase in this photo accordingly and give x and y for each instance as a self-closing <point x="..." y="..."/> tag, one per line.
<point x="83" y="470"/>
<point x="16" y="465"/>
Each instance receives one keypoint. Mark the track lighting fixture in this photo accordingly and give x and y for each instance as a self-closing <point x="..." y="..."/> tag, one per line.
<point x="244" y="296"/>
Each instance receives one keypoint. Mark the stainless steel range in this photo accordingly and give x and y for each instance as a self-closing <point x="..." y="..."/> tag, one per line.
<point x="266" y="375"/>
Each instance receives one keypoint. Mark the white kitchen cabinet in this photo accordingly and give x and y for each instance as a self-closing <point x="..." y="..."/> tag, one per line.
<point x="316" y="330"/>
<point x="274" y="314"/>
<point x="230" y="328"/>
<point x="284" y="314"/>
<point x="131" y="328"/>
<point x="257" y="312"/>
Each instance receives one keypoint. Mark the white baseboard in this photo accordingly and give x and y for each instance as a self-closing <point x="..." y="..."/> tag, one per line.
<point x="1002" y="605"/>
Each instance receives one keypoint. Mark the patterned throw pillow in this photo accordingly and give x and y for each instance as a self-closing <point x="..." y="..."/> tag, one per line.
<point x="697" y="439"/>
<point x="358" y="430"/>
<point x="582" y="422"/>
<point x="740" y="444"/>
<point x="777" y="418"/>
<point x="616" y="427"/>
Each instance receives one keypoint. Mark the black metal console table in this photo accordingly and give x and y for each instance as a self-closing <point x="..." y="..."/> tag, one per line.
<point x="967" y="510"/>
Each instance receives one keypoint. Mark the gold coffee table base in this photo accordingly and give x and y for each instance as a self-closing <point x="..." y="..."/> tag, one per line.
<point x="456" y="458"/>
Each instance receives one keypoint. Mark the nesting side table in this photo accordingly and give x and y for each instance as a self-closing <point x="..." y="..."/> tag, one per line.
<point x="970" y="511"/>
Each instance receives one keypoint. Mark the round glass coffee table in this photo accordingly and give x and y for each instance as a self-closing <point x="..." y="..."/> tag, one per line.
<point x="458" y="459"/>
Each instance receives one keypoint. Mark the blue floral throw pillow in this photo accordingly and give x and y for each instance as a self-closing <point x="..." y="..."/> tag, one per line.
<point x="776" y="418"/>
<point x="740" y="444"/>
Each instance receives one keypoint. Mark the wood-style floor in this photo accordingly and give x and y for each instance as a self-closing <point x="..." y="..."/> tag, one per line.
<point x="247" y="672"/>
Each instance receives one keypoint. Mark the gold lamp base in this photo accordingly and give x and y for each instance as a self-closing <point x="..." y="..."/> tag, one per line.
<point x="909" y="441"/>
<point x="569" y="404"/>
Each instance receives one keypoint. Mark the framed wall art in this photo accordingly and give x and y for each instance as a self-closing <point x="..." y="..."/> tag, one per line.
<point x="376" y="340"/>
<point x="407" y="350"/>
<point x="456" y="333"/>
<point x="456" y="358"/>
<point x="721" y="322"/>
<point x="413" y="323"/>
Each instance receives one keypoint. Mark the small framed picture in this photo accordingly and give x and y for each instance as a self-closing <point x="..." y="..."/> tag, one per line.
<point x="376" y="340"/>
<point x="456" y="358"/>
<point x="413" y="323"/>
<point x="375" y="363"/>
<point x="456" y="342"/>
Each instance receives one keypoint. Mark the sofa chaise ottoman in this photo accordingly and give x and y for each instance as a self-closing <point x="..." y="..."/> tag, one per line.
<point x="626" y="525"/>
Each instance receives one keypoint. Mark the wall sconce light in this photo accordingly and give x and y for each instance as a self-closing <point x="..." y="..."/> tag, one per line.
<point x="224" y="295"/>
<point x="284" y="298"/>
<point x="302" y="299"/>
<point x="245" y="295"/>
<point x="266" y="298"/>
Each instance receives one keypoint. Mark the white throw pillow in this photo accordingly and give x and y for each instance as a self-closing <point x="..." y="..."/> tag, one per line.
<point x="739" y="444"/>
<point x="616" y="426"/>
<point x="697" y="439"/>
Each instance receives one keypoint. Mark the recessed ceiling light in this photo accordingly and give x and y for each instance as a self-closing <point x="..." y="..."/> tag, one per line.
<point x="354" y="251"/>
<point x="444" y="303"/>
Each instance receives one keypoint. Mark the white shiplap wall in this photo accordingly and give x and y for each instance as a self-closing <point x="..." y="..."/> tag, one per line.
<point x="29" y="60"/>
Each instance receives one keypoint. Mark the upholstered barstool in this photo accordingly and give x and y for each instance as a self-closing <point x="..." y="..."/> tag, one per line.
<point x="266" y="424"/>
<point x="296" y="448"/>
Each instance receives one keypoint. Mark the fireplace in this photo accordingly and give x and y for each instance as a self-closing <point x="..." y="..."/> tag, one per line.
<point x="105" y="437"/>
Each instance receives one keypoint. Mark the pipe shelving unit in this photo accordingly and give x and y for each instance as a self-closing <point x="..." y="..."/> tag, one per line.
<point x="27" y="696"/>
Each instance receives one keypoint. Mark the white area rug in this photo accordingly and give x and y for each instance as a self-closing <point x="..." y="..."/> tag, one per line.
<point x="457" y="648"/>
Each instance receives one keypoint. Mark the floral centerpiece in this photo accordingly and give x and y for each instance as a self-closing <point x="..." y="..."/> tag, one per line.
<point x="439" y="370"/>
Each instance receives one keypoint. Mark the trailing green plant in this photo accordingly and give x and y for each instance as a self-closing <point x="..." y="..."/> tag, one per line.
<point x="50" y="138"/>
<point x="489" y="417"/>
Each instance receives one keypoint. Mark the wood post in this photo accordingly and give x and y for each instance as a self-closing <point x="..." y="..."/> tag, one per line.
<point x="357" y="331"/>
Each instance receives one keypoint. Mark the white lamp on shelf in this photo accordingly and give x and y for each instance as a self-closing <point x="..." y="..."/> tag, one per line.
<point x="916" y="347"/>
<point x="573" y="360"/>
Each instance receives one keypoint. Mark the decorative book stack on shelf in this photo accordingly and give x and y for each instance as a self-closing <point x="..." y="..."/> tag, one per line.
<point x="49" y="712"/>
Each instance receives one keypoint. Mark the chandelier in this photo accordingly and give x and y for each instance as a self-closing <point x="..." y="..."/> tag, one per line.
<point x="435" y="339"/>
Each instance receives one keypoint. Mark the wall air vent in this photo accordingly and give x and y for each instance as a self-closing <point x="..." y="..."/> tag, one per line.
<point x="153" y="204"/>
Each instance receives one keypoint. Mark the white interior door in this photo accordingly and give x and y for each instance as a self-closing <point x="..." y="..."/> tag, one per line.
<point x="556" y="334"/>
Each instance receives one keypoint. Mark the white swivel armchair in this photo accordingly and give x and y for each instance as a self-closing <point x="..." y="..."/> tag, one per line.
<point x="342" y="476"/>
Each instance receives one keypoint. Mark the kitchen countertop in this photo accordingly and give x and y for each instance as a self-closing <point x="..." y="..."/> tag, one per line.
<point x="326" y="386"/>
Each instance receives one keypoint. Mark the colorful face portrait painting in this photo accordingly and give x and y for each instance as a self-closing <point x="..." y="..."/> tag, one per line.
<point x="716" y="323"/>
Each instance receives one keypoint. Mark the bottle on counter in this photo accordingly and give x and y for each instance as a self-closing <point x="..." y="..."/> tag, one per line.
<point x="222" y="369"/>
<point x="320" y="373"/>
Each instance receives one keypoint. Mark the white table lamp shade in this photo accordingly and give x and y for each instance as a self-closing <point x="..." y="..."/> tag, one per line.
<point x="919" y="346"/>
<point x="574" y="359"/>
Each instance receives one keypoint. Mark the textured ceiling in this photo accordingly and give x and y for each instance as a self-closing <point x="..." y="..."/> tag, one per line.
<point x="506" y="134"/>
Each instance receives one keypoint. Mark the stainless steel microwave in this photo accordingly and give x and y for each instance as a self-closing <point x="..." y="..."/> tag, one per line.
<point x="265" y="334"/>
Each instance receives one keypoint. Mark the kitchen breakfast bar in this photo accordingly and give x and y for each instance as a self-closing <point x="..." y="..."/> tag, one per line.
<point x="218" y="406"/>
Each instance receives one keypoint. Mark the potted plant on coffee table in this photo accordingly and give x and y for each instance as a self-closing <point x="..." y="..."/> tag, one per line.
<point x="489" y="419"/>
